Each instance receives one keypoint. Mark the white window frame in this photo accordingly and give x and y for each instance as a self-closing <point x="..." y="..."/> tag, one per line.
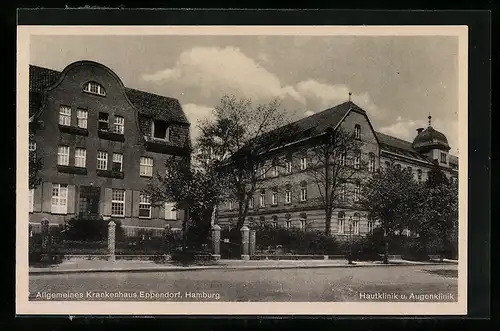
<point x="343" y="156"/>
<point x="357" y="131"/>
<point x="146" y="166"/>
<point x="99" y="120"/>
<point x="357" y="159"/>
<point x="274" y="197"/>
<point x="63" y="155"/>
<point x="276" y="172"/>
<point x="371" y="164"/>
<point x="342" y="195"/>
<point x="356" y="226"/>
<point x="32" y="146"/>
<point x="288" y="224"/>
<point x="442" y="156"/>
<point x="371" y="226"/>
<point x="59" y="200"/>
<point x="288" y="196"/>
<point x="31" y="200"/>
<point x="144" y="204"/>
<point x="302" y="224"/>
<point x="288" y="167"/>
<point x="170" y="211"/>
<point x="303" y="193"/>
<point x="118" y="158"/>
<point x="357" y="191"/>
<point x="341" y="225"/>
<point x="303" y="163"/>
<point x="419" y="175"/>
<point x="230" y="204"/>
<point x="82" y="118"/>
<point x="262" y="200"/>
<point x="275" y="224"/>
<point x="102" y="160"/>
<point x="80" y="157"/>
<point x="251" y="203"/>
<point x="262" y="172"/>
<point x="119" y="124"/>
<point x="99" y="89"/>
<point x="64" y="115"/>
<point x="115" y="203"/>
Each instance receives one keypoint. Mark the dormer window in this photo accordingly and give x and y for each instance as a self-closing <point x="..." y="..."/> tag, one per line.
<point x="443" y="157"/>
<point x="94" y="88"/>
<point x="161" y="130"/>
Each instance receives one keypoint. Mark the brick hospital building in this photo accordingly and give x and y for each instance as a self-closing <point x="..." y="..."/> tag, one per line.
<point x="100" y="142"/>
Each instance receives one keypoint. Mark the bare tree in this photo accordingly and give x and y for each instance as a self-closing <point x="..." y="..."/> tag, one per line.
<point x="241" y="139"/>
<point x="334" y="164"/>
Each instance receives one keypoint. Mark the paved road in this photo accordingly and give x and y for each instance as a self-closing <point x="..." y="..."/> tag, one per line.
<point x="326" y="284"/>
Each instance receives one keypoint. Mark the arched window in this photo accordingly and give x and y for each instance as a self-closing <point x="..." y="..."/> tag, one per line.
<point x="94" y="88"/>
<point x="357" y="131"/>
<point x="371" y="163"/>
<point x="288" y="221"/>
<point x="303" y="220"/>
<point x="355" y="223"/>
<point x="341" y="222"/>
<point x="371" y="225"/>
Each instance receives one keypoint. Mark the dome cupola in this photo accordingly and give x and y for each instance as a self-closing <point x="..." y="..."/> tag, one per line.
<point x="430" y="139"/>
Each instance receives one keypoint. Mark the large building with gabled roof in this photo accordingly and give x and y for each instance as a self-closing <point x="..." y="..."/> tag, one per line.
<point x="286" y="197"/>
<point x="100" y="142"/>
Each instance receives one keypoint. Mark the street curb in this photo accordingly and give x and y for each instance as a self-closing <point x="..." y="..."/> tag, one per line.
<point x="199" y="268"/>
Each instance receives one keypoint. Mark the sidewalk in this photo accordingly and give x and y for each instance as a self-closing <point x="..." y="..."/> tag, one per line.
<point x="86" y="266"/>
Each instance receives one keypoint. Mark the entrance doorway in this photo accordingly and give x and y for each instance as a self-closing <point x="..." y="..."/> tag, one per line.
<point x="89" y="201"/>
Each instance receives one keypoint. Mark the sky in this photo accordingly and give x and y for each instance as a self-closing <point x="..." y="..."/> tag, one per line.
<point x="398" y="80"/>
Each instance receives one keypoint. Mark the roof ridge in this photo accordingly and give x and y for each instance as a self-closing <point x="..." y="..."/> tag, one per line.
<point x="393" y="137"/>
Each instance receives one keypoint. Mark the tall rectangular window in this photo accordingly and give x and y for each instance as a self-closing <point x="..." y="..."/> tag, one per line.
<point x="170" y="211"/>
<point x="251" y="203"/>
<point x="118" y="203"/>
<point x="356" y="227"/>
<point x="357" y="190"/>
<point x="342" y="195"/>
<point x="370" y="226"/>
<point x="303" y="192"/>
<point x="341" y="223"/>
<point x="288" y="166"/>
<point x="31" y="200"/>
<point x="303" y="163"/>
<point x="357" y="159"/>
<point x="275" y="197"/>
<point x="144" y="206"/>
<point x="263" y="172"/>
<point x="59" y="203"/>
<point x="63" y="155"/>
<point x="119" y="125"/>
<point x="262" y="198"/>
<point x="276" y="171"/>
<point x="230" y="204"/>
<point x="288" y="194"/>
<point x="288" y="224"/>
<point x="80" y="157"/>
<point x="357" y="131"/>
<point x="419" y="175"/>
<point x="65" y="115"/>
<point x="102" y="160"/>
<point x="81" y="118"/>
<point x="146" y="166"/>
<point x="117" y="162"/>
<point x="443" y="157"/>
<point x="371" y="164"/>
<point x="103" y="121"/>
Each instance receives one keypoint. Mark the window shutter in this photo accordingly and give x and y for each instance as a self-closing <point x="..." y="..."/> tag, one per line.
<point x="128" y="203"/>
<point x="71" y="199"/>
<point x="135" y="203"/>
<point x="37" y="199"/>
<point x="107" y="202"/>
<point x="46" y="197"/>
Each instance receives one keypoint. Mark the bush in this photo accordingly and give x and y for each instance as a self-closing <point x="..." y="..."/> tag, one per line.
<point x="91" y="229"/>
<point x="415" y="250"/>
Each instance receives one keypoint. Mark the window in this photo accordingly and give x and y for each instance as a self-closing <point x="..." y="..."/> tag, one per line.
<point x="103" y="121"/>
<point x="288" y="165"/>
<point x="288" y="224"/>
<point x="160" y="130"/>
<point x="32" y="146"/>
<point x="262" y="201"/>
<point x="342" y="192"/>
<point x="443" y="157"/>
<point x="355" y="225"/>
<point x="81" y="118"/>
<point x="65" y="115"/>
<point x="102" y="160"/>
<point x="371" y="163"/>
<point x="230" y="204"/>
<point x="170" y="211"/>
<point x="357" y="190"/>
<point x="370" y="226"/>
<point x="303" y="191"/>
<point x="275" y="221"/>
<point x="357" y="131"/>
<point x="303" y="163"/>
<point x="357" y="159"/>
<point x="144" y="206"/>
<point x="30" y="200"/>
<point x="63" y="155"/>
<point x="118" y="202"/>
<point x="341" y="222"/>
<point x="251" y="203"/>
<point x="59" y="199"/>
<point x="262" y="172"/>
<point x="95" y="88"/>
<point x="343" y="156"/>
<point x="117" y="162"/>
<point x="276" y="171"/>
<point x="119" y="125"/>
<point x="80" y="157"/>
<point x="303" y="222"/>
<point x="275" y="197"/>
<point x="146" y="166"/>
<point x="288" y="194"/>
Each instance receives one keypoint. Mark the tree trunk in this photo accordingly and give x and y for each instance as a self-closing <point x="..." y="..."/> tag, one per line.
<point x="328" y="221"/>
<point x="386" y="243"/>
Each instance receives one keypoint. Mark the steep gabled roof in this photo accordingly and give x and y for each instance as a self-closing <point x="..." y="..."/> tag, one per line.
<point x="399" y="146"/>
<point x="148" y="104"/>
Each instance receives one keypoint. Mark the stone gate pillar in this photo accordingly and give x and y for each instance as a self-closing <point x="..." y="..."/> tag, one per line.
<point x="111" y="241"/>
<point x="44" y="230"/>
<point x="216" y="241"/>
<point x="245" y="234"/>
<point x="252" y="242"/>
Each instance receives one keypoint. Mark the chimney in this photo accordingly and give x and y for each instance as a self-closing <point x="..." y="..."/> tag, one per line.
<point x="420" y="130"/>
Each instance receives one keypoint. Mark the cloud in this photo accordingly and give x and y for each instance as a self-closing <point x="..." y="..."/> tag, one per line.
<point x="217" y="71"/>
<point x="195" y="114"/>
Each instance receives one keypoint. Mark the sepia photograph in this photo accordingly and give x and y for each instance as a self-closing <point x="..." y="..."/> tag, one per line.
<point x="219" y="170"/>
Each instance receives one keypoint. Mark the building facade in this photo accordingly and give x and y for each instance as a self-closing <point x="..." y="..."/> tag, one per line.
<point x="287" y="197"/>
<point x="100" y="143"/>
